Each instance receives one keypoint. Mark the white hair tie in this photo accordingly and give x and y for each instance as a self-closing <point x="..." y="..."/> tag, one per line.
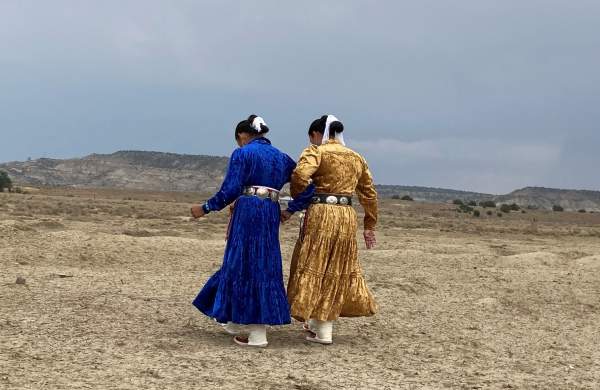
<point x="256" y="122"/>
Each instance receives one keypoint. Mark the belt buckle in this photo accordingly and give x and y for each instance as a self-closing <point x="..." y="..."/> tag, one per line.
<point x="262" y="192"/>
<point x="331" y="199"/>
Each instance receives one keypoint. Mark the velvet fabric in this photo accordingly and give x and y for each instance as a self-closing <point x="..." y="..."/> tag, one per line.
<point x="326" y="278"/>
<point x="248" y="288"/>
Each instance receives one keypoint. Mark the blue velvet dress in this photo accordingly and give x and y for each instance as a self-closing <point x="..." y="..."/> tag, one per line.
<point x="248" y="288"/>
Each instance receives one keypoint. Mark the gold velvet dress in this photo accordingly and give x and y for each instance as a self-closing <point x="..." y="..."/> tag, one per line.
<point x="326" y="279"/>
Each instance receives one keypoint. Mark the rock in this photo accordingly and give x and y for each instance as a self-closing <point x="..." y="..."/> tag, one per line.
<point x="20" y="280"/>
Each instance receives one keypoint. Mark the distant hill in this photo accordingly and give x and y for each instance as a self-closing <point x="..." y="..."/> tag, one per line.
<point x="180" y="172"/>
<point x="124" y="169"/>
<point x="539" y="197"/>
<point x="547" y="197"/>
<point x="429" y="194"/>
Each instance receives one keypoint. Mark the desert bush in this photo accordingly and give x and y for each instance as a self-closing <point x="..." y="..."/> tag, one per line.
<point x="581" y="210"/>
<point x="397" y="197"/>
<point x="407" y="197"/>
<point x="505" y="208"/>
<point x="488" y="203"/>
<point x="489" y="212"/>
<point x="5" y="181"/>
<point x="557" y="208"/>
<point x="499" y="214"/>
<point x="458" y="202"/>
<point x="514" y="207"/>
<point x="465" y="209"/>
<point x="523" y="212"/>
<point x="532" y="207"/>
<point x="476" y="213"/>
<point x="472" y="203"/>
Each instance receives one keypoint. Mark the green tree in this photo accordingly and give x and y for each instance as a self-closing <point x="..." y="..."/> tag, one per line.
<point x="557" y="208"/>
<point x="5" y="181"/>
<point x="407" y="197"/>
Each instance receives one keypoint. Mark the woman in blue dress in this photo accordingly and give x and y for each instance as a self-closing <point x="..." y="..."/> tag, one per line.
<point x="248" y="289"/>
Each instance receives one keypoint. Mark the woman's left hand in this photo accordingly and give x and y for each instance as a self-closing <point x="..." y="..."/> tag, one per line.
<point x="197" y="211"/>
<point x="370" y="240"/>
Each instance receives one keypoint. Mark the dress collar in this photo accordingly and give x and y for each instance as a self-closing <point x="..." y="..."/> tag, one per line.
<point x="260" y="140"/>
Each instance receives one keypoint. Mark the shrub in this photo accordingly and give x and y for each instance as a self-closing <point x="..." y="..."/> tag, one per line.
<point x="557" y="208"/>
<point x="465" y="209"/>
<point x="407" y="197"/>
<point x="523" y="212"/>
<point x="581" y="210"/>
<point x="514" y="207"/>
<point x="500" y="215"/>
<point x="476" y="213"/>
<point x="472" y="203"/>
<point x="488" y="203"/>
<point x="5" y="181"/>
<point x="395" y="196"/>
<point x="458" y="202"/>
<point x="505" y="208"/>
<point x="489" y="212"/>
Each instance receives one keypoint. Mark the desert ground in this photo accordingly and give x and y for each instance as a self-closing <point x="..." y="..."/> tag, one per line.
<point x="96" y="289"/>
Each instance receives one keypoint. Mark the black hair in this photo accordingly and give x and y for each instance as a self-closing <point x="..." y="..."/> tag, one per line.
<point x="245" y="126"/>
<point x="318" y="126"/>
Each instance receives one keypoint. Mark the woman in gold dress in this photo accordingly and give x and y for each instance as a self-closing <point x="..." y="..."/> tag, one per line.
<point x="326" y="279"/>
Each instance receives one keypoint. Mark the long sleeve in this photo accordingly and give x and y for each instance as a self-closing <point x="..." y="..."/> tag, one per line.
<point x="302" y="200"/>
<point x="309" y="162"/>
<point x="367" y="196"/>
<point x="232" y="186"/>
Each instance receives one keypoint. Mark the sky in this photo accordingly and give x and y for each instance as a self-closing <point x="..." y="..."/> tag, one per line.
<point x="481" y="95"/>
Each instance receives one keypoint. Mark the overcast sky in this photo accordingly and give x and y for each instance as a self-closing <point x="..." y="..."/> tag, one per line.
<point x="468" y="94"/>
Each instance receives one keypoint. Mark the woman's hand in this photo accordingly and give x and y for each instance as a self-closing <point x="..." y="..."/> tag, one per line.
<point x="285" y="216"/>
<point x="370" y="240"/>
<point x="197" y="212"/>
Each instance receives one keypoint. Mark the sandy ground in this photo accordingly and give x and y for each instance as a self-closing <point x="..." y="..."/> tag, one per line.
<point x="465" y="303"/>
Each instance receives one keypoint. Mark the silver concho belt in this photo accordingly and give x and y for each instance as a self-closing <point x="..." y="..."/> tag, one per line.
<point x="262" y="192"/>
<point x="341" y="200"/>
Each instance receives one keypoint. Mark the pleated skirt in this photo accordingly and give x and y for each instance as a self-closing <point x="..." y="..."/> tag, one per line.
<point x="248" y="288"/>
<point x="326" y="279"/>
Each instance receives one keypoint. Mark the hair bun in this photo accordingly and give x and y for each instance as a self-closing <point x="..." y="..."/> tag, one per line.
<point x="263" y="129"/>
<point x="336" y="127"/>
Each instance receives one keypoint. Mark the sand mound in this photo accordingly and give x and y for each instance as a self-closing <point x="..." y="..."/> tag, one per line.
<point x="588" y="262"/>
<point x="531" y="259"/>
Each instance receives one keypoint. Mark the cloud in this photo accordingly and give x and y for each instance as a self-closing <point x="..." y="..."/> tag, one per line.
<point x="441" y="85"/>
<point x="488" y="165"/>
<point x="466" y="150"/>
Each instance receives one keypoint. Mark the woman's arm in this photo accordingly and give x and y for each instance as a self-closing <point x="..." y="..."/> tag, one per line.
<point x="367" y="196"/>
<point x="307" y="165"/>
<point x="232" y="186"/>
